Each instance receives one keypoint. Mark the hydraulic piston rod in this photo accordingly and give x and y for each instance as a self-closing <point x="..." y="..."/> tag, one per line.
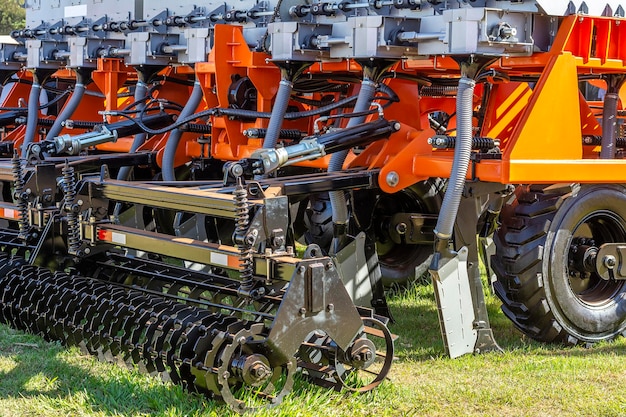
<point x="72" y="145"/>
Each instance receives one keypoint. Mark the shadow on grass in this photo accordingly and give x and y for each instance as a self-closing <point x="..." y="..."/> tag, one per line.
<point x="419" y="334"/>
<point x="417" y="324"/>
<point x="49" y="373"/>
<point x="47" y="379"/>
<point x="59" y="379"/>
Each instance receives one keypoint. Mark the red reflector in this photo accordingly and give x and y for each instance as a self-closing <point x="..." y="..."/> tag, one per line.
<point x="104" y="234"/>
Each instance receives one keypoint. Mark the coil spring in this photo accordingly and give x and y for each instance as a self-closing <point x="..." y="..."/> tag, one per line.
<point x="620" y="141"/>
<point x="449" y="142"/>
<point x="260" y="133"/>
<point x="242" y="219"/>
<point x="438" y="90"/>
<point x="198" y="128"/>
<point x="69" y="194"/>
<point x="20" y="198"/>
<point x="76" y="124"/>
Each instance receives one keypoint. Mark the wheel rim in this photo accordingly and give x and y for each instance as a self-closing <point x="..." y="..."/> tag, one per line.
<point x="390" y="254"/>
<point x="594" y="230"/>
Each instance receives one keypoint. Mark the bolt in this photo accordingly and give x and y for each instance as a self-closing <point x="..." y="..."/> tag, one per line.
<point x="279" y="241"/>
<point x="363" y="356"/>
<point x="609" y="261"/>
<point x="250" y="238"/>
<point x="330" y="308"/>
<point x="401" y="228"/>
<point x="236" y="170"/>
<point x="302" y="311"/>
<point x="259" y="370"/>
<point x="392" y="179"/>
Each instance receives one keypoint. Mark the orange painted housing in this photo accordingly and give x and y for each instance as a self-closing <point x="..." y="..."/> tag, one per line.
<point x="540" y="123"/>
<point x="539" y="116"/>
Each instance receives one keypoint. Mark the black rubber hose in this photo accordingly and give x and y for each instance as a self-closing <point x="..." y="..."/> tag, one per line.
<point x="358" y="135"/>
<point x="8" y="118"/>
<point x="337" y="198"/>
<point x="278" y="114"/>
<point x="71" y="105"/>
<point x="247" y="114"/>
<point x="126" y="128"/>
<point x="33" y="114"/>
<point x="391" y="95"/>
<point x="41" y="107"/>
<point x="141" y="89"/>
<point x="171" y="146"/>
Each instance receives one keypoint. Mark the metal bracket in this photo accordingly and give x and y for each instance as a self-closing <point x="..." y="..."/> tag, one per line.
<point x="610" y="261"/>
<point x="352" y="263"/>
<point x="455" y="307"/>
<point x="460" y="306"/>
<point x="315" y="300"/>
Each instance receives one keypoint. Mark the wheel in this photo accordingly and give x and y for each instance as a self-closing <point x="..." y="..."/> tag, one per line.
<point x="318" y="221"/>
<point x="247" y="377"/>
<point x="547" y="290"/>
<point x="361" y="368"/>
<point x="402" y="263"/>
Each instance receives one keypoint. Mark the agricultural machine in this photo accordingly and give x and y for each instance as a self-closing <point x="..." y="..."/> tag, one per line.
<point x="220" y="193"/>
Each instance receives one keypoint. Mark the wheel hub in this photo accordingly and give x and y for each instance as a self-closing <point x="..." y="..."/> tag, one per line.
<point x="598" y="234"/>
<point x="582" y="258"/>
<point x="254" y="369"/>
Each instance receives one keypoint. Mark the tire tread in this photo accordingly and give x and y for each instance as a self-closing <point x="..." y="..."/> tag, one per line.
<point x="518" y="262"/>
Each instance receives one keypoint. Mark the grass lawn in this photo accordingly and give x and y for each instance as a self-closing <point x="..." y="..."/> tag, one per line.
<point x="44" y="379"/>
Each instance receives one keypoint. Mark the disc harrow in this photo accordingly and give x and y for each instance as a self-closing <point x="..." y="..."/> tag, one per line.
<point x="184" y="343"/>
<point x="200" y="344"/>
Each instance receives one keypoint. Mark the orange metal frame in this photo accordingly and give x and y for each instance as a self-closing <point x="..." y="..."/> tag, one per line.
<point x="541" y="125"/>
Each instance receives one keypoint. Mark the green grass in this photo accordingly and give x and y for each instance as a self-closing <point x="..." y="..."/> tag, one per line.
<point x="528" y="379"/>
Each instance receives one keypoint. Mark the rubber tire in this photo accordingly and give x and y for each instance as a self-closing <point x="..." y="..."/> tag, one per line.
<point x="531" y="263"/>
<point x="401" y="265"/>
<point x="405" y="264"/>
